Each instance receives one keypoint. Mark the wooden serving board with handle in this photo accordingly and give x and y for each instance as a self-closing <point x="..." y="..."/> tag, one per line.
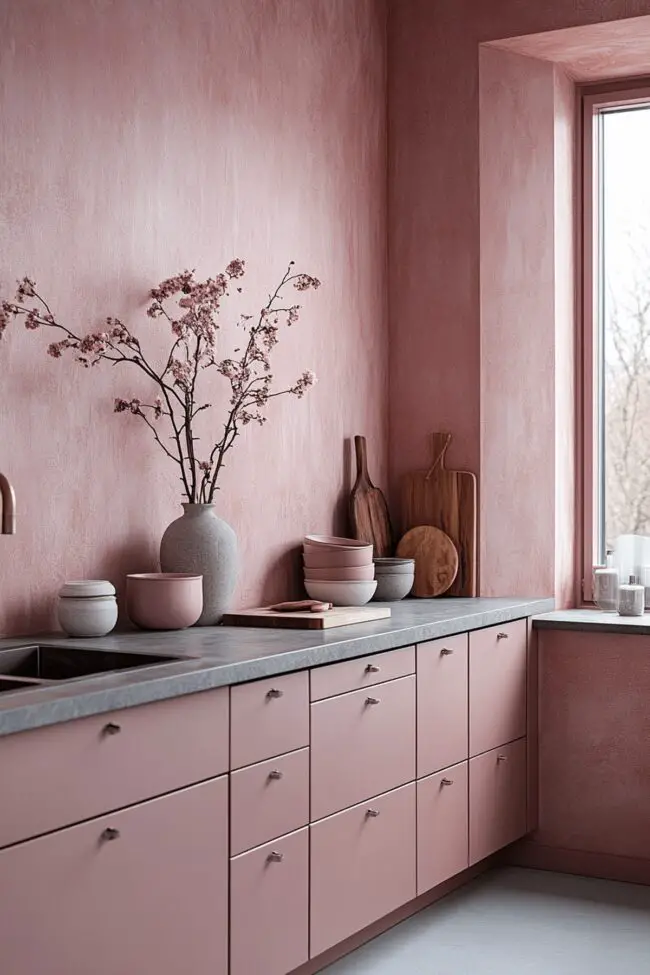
<point x="338" y="616"/>
<point x="447" y="500"/>
<point x="368" y="509"/>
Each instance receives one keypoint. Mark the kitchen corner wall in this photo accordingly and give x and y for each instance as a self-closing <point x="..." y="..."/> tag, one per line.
<point x="141" y="138"/>
<point x="480" y="229"/>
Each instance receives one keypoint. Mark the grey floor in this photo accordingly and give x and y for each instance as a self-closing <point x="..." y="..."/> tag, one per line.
<point x="518" y="922"/>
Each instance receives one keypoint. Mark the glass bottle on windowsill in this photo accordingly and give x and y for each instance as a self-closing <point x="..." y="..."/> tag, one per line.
<point x="631" y="598"/>
<point x="606" y="585"/>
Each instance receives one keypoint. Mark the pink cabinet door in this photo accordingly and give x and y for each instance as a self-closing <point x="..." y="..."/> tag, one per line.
<point x="497" y="686"/>
<point x="269" y="908"/>
<point x="53" y="777"/>
<point x="268" y="717"/>
<point x="142" y="890"/>
<point x="443" y="828"/>
<point x="497" y="799"/>
<point x="362" y="744"/>
<point x="442" y="697"/>
<point x="268" y="799"/>
<point x="362" y="866"/>
<point x="352" y="675"/>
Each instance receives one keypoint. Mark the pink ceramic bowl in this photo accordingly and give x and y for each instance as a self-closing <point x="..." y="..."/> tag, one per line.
<point x="324" y="558"/>
<point x="342" y="573"/>
<point x="164" y="600"/>
<point x="333" y="542"/>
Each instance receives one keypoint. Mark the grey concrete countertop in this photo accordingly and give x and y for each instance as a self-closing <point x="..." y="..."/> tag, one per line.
<point x="593" y="619"/>
<point x="219" y="656"/>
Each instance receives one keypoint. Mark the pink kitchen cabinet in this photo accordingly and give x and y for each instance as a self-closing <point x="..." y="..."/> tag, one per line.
<point x="497" y="685"/>
<point x="497" y="799"/>
<point x="352" y="675"/>
<point x="442" y="826"/>
<point x="362" y="744"/>
<point x="269" y="907"/>
<point x="268" y="799"/>
<point x="60" y="775"/>
<point x="362" y="866"/>
<point x="268" y="717"/>
<point x="142" y="890"/>
<point x="442" y="703"/>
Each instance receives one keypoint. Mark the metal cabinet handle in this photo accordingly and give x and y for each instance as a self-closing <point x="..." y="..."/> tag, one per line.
<point x="502" y="758"/>
<point x="111" y="728"/>
<point x="446" y="782"/>
<point x="502" y="636"/>
<point x="372" y="813"/>
<point x="275" y="857"/>
<point x="372" y="669"/>
<point x="275" y="774"/>
<point x="372" y="700"/>
<point x="446" y="652"/>
<point x="110" y="833"/>
<point x="274" y="692"/>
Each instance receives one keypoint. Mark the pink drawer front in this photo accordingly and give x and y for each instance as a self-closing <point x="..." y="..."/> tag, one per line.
<point x="352" y="675"/>
<point x="142" y="890"/>
<point x="268" y="799"/>
<point x="443" y="830"/>
<point x="362" y="866"/>
<point x="497" y="685"/>
<point x="55" y="776"/>
<point x="362" y="744"/>
<point x="268" y="717"/>
<point x="497" y="799"/>
<point x="442" y="703"/>
<point x="269" y="908"/>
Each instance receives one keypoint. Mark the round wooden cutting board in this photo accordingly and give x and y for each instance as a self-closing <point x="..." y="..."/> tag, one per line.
<point x="436" y="559"/>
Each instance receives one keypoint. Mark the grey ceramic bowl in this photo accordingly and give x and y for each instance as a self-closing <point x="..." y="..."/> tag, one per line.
<point x="393" y="567"/>
<point x="393" y="586"/>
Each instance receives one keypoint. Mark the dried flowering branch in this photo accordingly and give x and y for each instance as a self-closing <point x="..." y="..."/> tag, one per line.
<point x="194" y="325"/>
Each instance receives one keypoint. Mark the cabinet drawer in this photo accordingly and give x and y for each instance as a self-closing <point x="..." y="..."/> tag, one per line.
<point x="497" y="799"/>
<point x="442" y="696"/>
<point x="269" y="908"/>
<point x="152" y="899"/>
<point x="353" y="675"/>
<point x="362" y="744"/>
<point x="362" y="866"/>
<point x="55" y="776"/>
<point x="268" y="799"/>
<point x="268" y="717"/>
<point x="497" y="686"/>
<point x="443" y="829"/>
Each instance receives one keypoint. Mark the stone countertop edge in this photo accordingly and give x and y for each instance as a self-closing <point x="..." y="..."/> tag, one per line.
<point x="593" y="619"/>
<point x="221" y="656"/>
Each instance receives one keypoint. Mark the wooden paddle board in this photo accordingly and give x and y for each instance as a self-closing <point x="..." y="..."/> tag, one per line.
<point x="436" y="559"/>
<point x="368" y="509"/>
<point x="339" y="616"/>
<point x="446" y="499"/>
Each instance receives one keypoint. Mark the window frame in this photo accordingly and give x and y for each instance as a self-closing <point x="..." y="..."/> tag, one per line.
<point x="592" y="101"/>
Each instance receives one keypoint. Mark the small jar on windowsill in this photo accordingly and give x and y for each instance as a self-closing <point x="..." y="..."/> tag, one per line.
<point x="631" y="598"/>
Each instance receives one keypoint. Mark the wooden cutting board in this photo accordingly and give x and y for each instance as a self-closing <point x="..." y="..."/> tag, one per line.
<point x="447" y="500"/>
<point x="339" y="616"/>
<point x="368" y="509"/>
<point x="436" y="559"/>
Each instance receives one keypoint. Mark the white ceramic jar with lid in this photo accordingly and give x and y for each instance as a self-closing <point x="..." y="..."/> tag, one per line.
<point x="87" y="608"/>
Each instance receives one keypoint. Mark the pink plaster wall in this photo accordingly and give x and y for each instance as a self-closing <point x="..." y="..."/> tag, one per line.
<point x="140" y="138"/>
<point x="434" y="270"/>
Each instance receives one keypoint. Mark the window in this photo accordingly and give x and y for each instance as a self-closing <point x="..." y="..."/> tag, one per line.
<point x="616" y="315"/>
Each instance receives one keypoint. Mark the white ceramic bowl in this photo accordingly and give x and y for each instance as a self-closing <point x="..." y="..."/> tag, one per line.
<point x="164" y="600"/>
<point x="342" y="573"/>
<point x="333" y="541"/>
<point x="341" y="593"/>
<point x="324" y="558"/>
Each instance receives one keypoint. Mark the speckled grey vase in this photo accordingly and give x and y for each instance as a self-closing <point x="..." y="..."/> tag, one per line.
<point x="201" y="542"/>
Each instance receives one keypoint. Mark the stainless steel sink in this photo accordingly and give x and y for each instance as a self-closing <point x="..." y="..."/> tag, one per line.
<point x="34" y="665"/>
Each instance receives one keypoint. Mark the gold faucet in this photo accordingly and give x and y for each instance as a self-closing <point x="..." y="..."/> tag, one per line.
<point x="8" y="496"/>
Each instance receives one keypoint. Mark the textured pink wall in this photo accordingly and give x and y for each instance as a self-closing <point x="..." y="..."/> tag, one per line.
<point x="140" y="138"/>
<point x="434" y="261"/>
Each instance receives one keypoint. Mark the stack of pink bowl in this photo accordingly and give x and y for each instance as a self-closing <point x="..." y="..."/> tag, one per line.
<point x="338" y="570"/>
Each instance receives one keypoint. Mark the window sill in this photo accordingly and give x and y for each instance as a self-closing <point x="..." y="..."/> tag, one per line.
<point x="592" y="619"/>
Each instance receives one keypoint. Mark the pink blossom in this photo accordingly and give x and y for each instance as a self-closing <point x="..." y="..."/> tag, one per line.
<point x="26" y="289"/>
<point x="158" y="407"/>
<point x="302" y="385"/>
<point x="182" y="372"/>
<point x="124" y="405"/>
<point x="227" y="368"/>
<point x="293" y="314"/>
<point x="303" y="282"/>
<point x="205" y="466"/>
<point x="31" y="320"/>
<point x="236" y="268"/>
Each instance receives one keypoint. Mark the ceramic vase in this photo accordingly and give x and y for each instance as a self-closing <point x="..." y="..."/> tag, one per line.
<point x="201" y="543"/>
